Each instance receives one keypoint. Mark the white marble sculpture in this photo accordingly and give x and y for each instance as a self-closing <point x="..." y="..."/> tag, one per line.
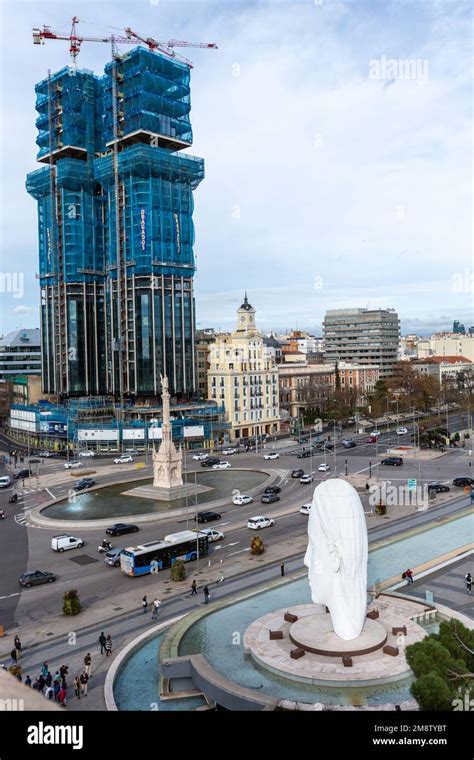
<point x="337" y="555"/>
<point x="167" y="461"/>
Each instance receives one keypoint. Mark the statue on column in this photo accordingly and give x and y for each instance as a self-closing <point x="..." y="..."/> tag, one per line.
<point x="167" y="461"/>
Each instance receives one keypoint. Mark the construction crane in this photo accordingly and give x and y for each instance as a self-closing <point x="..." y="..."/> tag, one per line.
<point x="131" y="38"/>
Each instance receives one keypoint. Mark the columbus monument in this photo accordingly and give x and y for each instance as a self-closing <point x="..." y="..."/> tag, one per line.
<point x="167" y="461"/>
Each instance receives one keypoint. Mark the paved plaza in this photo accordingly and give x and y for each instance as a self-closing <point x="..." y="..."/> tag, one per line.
<point x="448" y="586"/>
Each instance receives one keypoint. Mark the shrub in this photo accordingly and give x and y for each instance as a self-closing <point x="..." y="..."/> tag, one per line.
<point x="381" y="509"/>
<point x="71" y="603"/>
<point x="178" y="571"/>
<point x="256" y="545"/>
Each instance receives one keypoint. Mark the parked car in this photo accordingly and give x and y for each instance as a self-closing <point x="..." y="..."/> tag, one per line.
<point x="402" y="431"/>
<point x="272" y="489"/>
<point x="84" y="483"/>
<point x="438" y="487"/>
<point x="222" y="466"/>
<point x="229" y="452"/>
<point x="463" y="482"/>
<point x="198" y="457"/>
<point x="272" y="455"/>
<point x="303" y="455"/>
<point x="73" y="465"/>
<point x="240" y="499"/>
<point x="256" y="523"/>
<point x="349" y="444"/>
<point x="306" y="479"/>
<point x="297" y="473"/>
<point x="87" y="453"/>
<point x="323" y="468"/>
<point x="5" y="481"/>
<point x="35" y="578"/>
<point x="212" y="535"/>
<point x="25" y="473"/>
<point x="112" y="557"/>
<point x="123" y="459"/>
<point x="305" y="509"/>
<point x="119" y="529"/>
<point x="210" y="462"/>
<point x="269" y="498"/>
<point x="204" y="517"/>
<point x="64" y="542"/>
<point x="394" y="461"/>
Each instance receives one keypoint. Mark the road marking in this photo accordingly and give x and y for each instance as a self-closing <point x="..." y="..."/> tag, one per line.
<point x="234" y="543"/>
<point x="231" y="554"/>
<point x="8" y="596"/>
<point x="50" y="493"/>
<point x="376" y="464"/>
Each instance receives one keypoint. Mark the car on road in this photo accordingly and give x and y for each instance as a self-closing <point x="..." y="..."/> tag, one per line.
<point x="33" y="460"/>
<point x="463" y="482"/>
<point x="297" y="473"/>
<point x="305" y="479"/>
<point x="303" y="455"/>
<point x="73" y="465"/>
<point x="272" y="455"/>
<point x="84" y="483"/>
<point x="240" y="499"/>
<point x="222" y="466"/>
<point x="349" y="444"/>
<point x="132" y="452"/>
<point x="328" y="446"/>
<point x="123" y="459"/>
<point x="438" y="487"/>
<point x="64" y="541"/>
<point x="25" y="473"/>
<point x="210" y="462"/>
<point x="212" y="535"/>
<point x="346" y="441"/>
<point x="119" y="529"/>
<point x="204" y="517"/>
<point x="269" y="498"/>
<point x="256" y="523"/>
<point x="371" y="439"/>
<point x="44" y="454"/>
<point x="5" y="481"/>
<point x="229" y="452"/>
<point x="377" y="433"/>
<point x="394" y="461"/>
<point x="402" y="431"/>
<point x="272" y="489"/>
<point x="323" y="468"/>
<point x="36" y="578"/>
<point x="112" y="557"/>
<point x="199" y="457"/>
<point x="305" y="509"/>
<point x="87" y="453"/>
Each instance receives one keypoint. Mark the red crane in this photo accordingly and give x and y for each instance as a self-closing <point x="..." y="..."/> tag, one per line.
<point x="76" y="40"/>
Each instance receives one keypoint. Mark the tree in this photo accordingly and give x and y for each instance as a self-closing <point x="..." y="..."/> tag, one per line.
<point x="178" y="571"/>
<point x="433" y="693"/>
<point x="256" y="545"/>
<point x="71" y="603"/>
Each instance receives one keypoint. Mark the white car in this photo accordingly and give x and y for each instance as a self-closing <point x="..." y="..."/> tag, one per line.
<point x="228" y="452"/>
<point x="323" y="468"/>
<point x="255" y="523"/>
<point x="221" y="466"/>
<point x="305" y="509"/>
<point x="44" y="454"/>
<point x="307" y="479"/>
<point x="198" y="457"/>
<point x="123" y="459"/>
<point x="72" y="465"/>
<point x="213" y="535"/>
<point x="86" y="454"/>
<point x="64" y="542"/>
<point x="402" y="431"/>
<point x="240" y="499"/>
<point x="273" y="455"/>
<point x="377" y="433"/>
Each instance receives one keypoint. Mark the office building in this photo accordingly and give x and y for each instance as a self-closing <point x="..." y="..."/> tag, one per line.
<point x="363" y="336"/>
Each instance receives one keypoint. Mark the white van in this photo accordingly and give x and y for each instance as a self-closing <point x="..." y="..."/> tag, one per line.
<point x="63" y="542"/>
<point x="5" y="481"/>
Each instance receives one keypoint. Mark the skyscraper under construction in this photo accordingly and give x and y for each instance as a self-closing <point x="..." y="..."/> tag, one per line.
<point x="116" y="234"/>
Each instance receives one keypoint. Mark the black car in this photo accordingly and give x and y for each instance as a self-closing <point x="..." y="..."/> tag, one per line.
<point x="328" y="446"/>
<point x="272" y="489"/>
<point x="394" y="461"/>
<point x="120" y="528"/>
<point x="36" y="578"/>
<point x="462" y="482"/>
<point x="84" y="483"/>
<point x="22" y="474"/>
<point x="204" y="517"/>
<point x="350" y="444"/>
<point x="269" y="498"/>
<point x="210" y="462"/>
<point x="438" y="488"/>
<point x="33" y="460"/>
<point x="297" y="473"/>
<point x="303" y="455"/>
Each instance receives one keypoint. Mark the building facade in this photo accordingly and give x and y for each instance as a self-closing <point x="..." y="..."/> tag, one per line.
<point x="447" y="370"/>
<point x="363" y="336"/>
<point x="242" y="378"/>
<point x="447" y="344"/>
<point x="305" y="386"/>
<point x="20" y="354"/>
<point x="115" y="206"/>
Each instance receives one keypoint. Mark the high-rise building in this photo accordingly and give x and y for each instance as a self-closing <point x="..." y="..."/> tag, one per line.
<point x="20" y="354"/>
<point x="116" y="234"/>
<point x="458" y="328"/>
<point x="362" y="336"/>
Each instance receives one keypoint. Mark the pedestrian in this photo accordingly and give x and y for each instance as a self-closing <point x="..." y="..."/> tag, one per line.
<point x="282" y="569"/>
<point x="14" y="656"/>
<point x="367" y="487"/>
<point x="409" y="576"/>
<point x="48" y="692"/>
<point x="62" y="696"/>
<point x="108" y="645"/>
<point x="57" y="677"/>
<point x="44" y="668"/>
<point x="88" y="664"/>
<point x="84" y="678"/>
<point x="77" y="687"/>
<point x="193" y="588"/>
<point x="57" y="689"/>
<point x="63" y="671"/>
<point x="41" y="682"/>
<point x="102" y="642"/>
<point x="17" y="643"/>
<point x="27" y="681"/>
<point x="222" y="578"/>
<point x="207" y="595"/>
<point x="156" y="609"/>
<point x="468" y="583"/>
<point x="145" y="604"/>
<point x="36" y="685"/>
<point x="48" y="679"/>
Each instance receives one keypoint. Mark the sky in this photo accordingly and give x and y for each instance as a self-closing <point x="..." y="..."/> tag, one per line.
<point x="336" y="140"/>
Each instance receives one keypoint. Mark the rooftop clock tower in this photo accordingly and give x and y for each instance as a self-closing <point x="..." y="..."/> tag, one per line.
<point x="246" y="318"/>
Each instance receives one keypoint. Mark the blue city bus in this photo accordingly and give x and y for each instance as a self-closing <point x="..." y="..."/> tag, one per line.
<point x="158" y="555"/>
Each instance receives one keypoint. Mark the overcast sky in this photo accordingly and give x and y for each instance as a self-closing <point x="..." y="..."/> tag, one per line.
<point x="334" y="178"/>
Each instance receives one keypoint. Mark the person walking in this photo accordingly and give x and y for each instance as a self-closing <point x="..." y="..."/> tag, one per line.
<point x="14" y="656"/>
<point x="206" y="594"/>
<point x="282" y="569"/>
<point x="145" y="604"/>
<point x="77" y="687"/>
<point x="409" y="576"/>
<point x="108" y="645"/>
<point x="27" y="681"/>
<point x="84" y="678"/>
<point x="222" y="578"/>
<point x="88" y="664"/>
<point x="62" y="696"/>
<point x="45" y="668"/>
<point x="156" y="609"/>
<point x="17" y="644"/>
<point x="63" y="671"/>
<point x="468" y="578"/>
<point x="57" y="677"/>
<point x="57" y="689"/>
<point x="193" y="588"/>
<point x="49" y="679"/>
<point x="102" y="642"/>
